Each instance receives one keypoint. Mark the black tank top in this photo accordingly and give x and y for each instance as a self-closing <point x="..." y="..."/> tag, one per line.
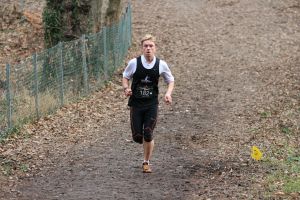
<point x="144" y="85"/>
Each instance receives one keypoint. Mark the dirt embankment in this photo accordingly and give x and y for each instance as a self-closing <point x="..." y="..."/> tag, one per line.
<point x="21" y="31"/>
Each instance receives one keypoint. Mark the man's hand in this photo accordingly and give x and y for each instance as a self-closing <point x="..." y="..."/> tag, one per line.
<point x="168" y="99"/>
<point x="126" y="88"/>
<point x="127" y="92"/>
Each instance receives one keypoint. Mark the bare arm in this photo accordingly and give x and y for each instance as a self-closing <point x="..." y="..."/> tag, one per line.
<point x="126" y="88"/>
<point x="168" y="95"/>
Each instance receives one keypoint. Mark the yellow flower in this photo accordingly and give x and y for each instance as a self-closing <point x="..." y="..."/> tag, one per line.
<point x="256" y="153"/>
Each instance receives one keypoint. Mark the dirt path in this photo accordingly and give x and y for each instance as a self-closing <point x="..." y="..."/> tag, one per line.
<point x="217" y="50"/>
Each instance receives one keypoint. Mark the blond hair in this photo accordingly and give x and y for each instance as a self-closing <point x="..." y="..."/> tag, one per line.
<point x="148" y="37"/>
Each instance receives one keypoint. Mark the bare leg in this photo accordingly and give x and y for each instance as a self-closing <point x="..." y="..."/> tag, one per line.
<point x="148" y="148"/>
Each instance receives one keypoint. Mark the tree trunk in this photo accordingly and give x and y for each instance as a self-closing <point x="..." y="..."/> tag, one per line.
<point x="113" y="11"/>
<point x="66" y="20"/>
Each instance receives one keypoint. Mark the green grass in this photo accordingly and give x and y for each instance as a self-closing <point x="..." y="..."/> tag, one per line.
<point x="285" y="174"/>
<point x="24" y="167"/>
<point x="265" y="114"/>
<point x="8" y="167"/>
<point x="286" y="130"/>
<point x="292" y="185"/>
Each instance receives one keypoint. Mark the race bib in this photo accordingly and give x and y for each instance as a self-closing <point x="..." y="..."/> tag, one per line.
<point x="144" y="92"/>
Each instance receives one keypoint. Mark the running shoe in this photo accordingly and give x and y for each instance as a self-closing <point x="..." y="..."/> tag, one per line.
<point x="146" y="168"/>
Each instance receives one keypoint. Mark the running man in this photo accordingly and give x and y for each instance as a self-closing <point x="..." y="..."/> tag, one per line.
<point x="145" y="71"/>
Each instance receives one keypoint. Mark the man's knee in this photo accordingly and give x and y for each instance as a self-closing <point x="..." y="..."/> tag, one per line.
<point x="138" y="139"/>
<point x="148" y="136"/>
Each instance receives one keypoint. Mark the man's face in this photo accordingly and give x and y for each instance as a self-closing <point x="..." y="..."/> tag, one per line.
<point x="149" y="48"/>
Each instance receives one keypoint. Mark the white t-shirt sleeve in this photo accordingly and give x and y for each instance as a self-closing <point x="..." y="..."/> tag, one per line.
<point x="165" y="72"/>
<point x="130" y="69"/>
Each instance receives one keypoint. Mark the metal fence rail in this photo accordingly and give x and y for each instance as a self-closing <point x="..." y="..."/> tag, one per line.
<point x="62" y="74"/>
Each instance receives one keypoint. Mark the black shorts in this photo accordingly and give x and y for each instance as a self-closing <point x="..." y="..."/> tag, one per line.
<point x="143" y="121"/>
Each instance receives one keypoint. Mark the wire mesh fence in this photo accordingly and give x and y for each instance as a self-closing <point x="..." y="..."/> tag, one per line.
<point x="62" y="74"/>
